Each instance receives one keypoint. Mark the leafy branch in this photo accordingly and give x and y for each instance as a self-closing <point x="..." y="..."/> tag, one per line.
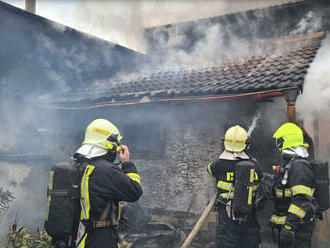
<point x="19" y="237"/>
<point x="6" y="197"/>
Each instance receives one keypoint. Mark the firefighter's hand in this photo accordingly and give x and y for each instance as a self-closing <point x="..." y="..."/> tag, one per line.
<point x="286" y="237"/>
<point x="124" y="153"/>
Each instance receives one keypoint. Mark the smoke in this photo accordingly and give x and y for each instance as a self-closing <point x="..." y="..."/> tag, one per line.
<point x="14" y="174"/>
<point x="253" y="124"/>
<point x="120" y="22"/>
<point x="13" y="125"/>
<point x="208" y="51"/>
<point x="20" y="137"/>
<point x="166" y="12"/>
<point x="28" y="185"/>
<point x="308" y="24"/>
<point x="315" y="100"/>
<point x="123" y="22"/>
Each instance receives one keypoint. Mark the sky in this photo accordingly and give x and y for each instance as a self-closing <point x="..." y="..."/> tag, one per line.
<point x="123" y="21"/>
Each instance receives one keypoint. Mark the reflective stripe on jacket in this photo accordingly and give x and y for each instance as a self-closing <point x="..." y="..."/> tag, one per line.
<point x="103" y="183"/>
<point x="295" y="199"/>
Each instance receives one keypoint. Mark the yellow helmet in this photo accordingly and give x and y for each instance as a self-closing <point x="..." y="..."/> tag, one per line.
<point x="104" y="134"/>
<point x="235" y="139"/>
<point x="289" y="135"/>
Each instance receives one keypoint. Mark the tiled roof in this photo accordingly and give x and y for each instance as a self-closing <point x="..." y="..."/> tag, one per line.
<point x="281" y="70"/>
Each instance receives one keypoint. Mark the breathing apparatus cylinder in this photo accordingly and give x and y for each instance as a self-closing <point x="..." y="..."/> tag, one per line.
<point x="321" y="175"/>
<point x="63" y="210"/>
<point x="243" y="182"/>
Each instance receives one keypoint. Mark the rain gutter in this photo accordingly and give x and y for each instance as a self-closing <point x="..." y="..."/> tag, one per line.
<point x="252" y="95"/>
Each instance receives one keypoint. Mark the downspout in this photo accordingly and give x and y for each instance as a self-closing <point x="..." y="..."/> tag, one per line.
<point x="291" y="97"/>
<point x="316" y="135"/>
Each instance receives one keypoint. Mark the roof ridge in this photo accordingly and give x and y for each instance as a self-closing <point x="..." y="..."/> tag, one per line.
<point x="298" y="37"/>
<point x="284" y="5"/>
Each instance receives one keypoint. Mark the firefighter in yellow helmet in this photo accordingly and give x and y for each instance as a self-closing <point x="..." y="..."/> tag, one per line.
<point x="293" y="190"/>
<point x="104" y="185"/>
<point x="237" y="177"/>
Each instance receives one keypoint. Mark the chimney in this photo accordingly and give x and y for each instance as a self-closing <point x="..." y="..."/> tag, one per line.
<point x="30" y="6"/>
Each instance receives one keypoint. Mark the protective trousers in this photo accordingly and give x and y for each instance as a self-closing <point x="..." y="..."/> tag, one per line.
<point x="303" y="236"/>
<point x="236" y="236"/>
<point x="102" y="238"/>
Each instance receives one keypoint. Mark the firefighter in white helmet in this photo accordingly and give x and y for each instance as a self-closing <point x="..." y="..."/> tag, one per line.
<point x="237" y="176"/>
<point x="104" y="184"/>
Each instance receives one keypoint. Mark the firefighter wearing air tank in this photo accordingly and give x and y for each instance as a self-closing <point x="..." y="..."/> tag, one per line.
<point x="293" y="190"/>
<point x="237" y="176"/>
<point x="104" y="185"/>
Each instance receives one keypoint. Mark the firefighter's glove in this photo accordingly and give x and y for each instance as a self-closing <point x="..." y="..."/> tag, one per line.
<point x="123" y="225"/>
<point x="266" y="186"/>
<point x="286" y="237"/>
<point x="319" y="214"/>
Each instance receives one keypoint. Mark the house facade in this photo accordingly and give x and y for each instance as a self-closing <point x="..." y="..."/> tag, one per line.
<point x="174" y="122"/>
<point x="174" y="119"/>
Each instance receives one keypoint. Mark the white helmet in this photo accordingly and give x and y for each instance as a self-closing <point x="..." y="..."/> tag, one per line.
<point x="104" y="134"/>
<point x="235" y="139"/>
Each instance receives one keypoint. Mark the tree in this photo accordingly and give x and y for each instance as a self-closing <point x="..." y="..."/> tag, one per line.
<point x="5" y="198"/>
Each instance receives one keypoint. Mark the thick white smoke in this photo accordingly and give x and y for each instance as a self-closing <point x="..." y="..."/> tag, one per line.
<point x="315" y="100"/>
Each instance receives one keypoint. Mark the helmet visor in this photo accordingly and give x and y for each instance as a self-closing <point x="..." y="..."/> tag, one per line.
<point x="279" y="143"/>
<point x="113" y="138"/>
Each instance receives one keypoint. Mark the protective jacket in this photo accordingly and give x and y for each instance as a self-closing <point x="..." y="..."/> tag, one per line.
<point x="103" y="186"/>
<point x="229" y="233"/>
<point x="293" y="200"/>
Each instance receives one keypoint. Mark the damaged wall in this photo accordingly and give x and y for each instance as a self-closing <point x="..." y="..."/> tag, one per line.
<point x="177" y="180"/>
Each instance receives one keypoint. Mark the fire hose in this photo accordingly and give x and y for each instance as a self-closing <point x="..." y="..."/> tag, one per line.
<point x="200" y="222"/>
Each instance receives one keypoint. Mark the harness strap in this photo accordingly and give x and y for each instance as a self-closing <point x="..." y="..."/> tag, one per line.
<point x="103" y="222"/>
<point x="105" y="211"/>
